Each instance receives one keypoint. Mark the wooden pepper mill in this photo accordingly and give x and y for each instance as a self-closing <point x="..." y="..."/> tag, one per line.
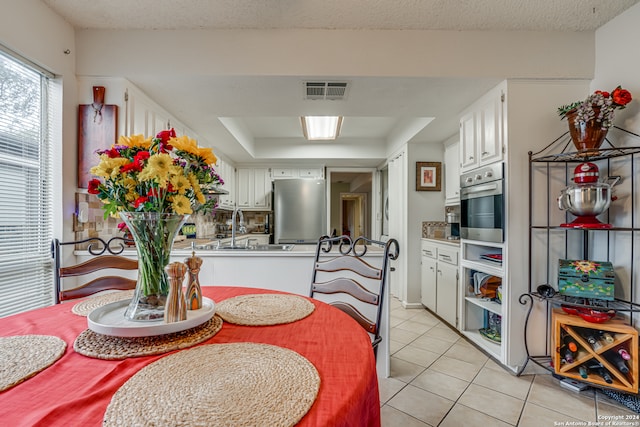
<point x="175" y="310"/>
<point x="193" y="294"/>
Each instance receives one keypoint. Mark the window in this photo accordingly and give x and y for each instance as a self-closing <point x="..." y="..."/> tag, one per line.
<point x="25" y="188"/>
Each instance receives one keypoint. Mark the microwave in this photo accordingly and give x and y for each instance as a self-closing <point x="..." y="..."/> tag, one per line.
<point x="482" y="204"/>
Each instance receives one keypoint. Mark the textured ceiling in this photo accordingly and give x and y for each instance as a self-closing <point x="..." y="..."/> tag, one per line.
<point x="265" y="109"/>
<point x="535" y="15"/>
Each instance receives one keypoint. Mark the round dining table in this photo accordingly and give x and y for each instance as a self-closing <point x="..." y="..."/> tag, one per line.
<point x="76" y="389"/>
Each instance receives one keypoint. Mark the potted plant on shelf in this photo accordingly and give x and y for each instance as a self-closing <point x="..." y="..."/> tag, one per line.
<point x="154" y="184"/>
<point x="590" y="120"/>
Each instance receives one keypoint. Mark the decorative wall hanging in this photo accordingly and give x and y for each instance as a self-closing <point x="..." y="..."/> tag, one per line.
<point x="428" y="176"/>
<point x="97" y="130"/>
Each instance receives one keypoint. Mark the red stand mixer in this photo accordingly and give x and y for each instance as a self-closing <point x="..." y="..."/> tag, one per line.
<point x="587" y="198"/>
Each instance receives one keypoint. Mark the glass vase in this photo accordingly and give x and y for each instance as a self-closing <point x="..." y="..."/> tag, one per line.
<point x="153" y="234"/>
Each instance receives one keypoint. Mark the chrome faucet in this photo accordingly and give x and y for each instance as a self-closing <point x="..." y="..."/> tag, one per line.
<point x="241" y="227"/>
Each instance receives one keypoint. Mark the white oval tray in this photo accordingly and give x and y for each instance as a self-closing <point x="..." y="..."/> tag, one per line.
<point x="109" y="320"/>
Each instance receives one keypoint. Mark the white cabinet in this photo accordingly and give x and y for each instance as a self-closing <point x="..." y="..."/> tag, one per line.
<point x="440" y="279"/>
<point x="429" y="276"/>
<point x="227" y="171"/>
<point x="288" y="172"/>
<point x="452" y="173"/>
<point x="254" y="188"/>
<point x="481" y="132"/>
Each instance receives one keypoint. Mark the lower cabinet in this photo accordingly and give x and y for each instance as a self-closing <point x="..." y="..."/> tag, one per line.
<point x="605" y="354"/>
<point x="440" y="279"/>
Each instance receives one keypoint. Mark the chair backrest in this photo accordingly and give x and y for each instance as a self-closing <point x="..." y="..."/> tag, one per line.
<point x="97" y="247"/>
<point x="342" y="278"/>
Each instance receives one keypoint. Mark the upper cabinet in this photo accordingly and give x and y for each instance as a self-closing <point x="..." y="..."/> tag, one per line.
<point x="452" y="172"/>
<point x="254" y="188"/>
<point x="482" y="132"/>
<point x="288" y="172"/>
<point x="228" y="173"/>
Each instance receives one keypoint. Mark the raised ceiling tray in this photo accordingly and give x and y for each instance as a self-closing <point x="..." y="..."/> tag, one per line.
<point x="109" y="320"/>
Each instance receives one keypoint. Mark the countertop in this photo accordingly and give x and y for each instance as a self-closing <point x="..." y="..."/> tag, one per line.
<point x="455" y="243"/>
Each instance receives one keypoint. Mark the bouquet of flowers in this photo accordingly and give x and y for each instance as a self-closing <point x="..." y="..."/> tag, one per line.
<point x="167" y="174"/>
<point x="599" y="106"/>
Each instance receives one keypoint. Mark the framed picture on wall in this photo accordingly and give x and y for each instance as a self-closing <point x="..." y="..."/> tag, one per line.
<point x="428" y="176"/>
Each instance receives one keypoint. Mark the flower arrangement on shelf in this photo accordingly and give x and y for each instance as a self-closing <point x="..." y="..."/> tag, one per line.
<point x="599" y="106"/>
<point x="167" y="174"/>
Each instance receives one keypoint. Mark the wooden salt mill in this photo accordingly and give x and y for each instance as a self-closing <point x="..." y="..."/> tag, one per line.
<point x="175" y="310"/>
<point x="193" y="294"/>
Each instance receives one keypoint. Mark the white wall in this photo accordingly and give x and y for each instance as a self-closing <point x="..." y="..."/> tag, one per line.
<point x="422" y="206"/>
<point x="618" y="63"/>
<point x="32" y="30"/>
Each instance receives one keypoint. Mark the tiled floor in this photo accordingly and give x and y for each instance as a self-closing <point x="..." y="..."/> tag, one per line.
<point x="440" y="379"/>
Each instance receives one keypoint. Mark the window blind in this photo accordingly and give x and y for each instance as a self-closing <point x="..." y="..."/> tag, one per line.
<point x="25" y="188"/>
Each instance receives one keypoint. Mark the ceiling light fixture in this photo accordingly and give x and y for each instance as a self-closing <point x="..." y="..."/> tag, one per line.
<point x="321" y="127"/>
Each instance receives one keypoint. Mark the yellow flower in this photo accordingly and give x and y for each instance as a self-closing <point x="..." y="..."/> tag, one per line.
<point x="135" y="141"/>
<point x="157" y="169"/>
<point x="108" y="167"/>
<point x="197" y="191"/>
<point x="184" y="143"/>
<point x="180" y="183"/>
<point x="207" y="155"/>
<point x="181" y="205"/>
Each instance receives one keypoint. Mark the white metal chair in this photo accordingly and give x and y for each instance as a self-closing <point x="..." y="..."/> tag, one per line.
<point x="342" y="278"/>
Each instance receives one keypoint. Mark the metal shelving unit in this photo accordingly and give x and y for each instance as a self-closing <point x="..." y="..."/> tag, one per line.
<point x="557" y="156"/>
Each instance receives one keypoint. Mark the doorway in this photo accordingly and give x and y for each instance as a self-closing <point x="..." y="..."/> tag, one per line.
<point x="353" y="218"/>
<point x="350" y="201"/>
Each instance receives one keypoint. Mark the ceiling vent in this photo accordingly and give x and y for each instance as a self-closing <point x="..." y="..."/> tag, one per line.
<point x="333" y="91"/>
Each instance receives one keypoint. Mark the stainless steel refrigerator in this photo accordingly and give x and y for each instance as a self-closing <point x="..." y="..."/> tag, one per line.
<point x="299" y="210"/>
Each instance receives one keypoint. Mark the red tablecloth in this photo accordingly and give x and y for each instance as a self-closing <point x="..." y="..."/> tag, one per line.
<point x="76" y="390"/>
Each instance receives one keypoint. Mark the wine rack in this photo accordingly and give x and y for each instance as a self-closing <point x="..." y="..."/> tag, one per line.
<point x="622" y="335"/>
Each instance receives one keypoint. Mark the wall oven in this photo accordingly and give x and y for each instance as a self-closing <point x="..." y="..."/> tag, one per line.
<point x="482" y="204"/>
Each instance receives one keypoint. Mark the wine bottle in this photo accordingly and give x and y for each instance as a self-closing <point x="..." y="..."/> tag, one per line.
<point x="583" y="371"/>
<point x="616" y="360"/>
<point x="592" y="339"/>
<point x="623" y="353"/>
<point x="598" y="369"/>
<point x="568" y="355"/>
<point x="606" y="336"/>
<point x="570" y="343"/>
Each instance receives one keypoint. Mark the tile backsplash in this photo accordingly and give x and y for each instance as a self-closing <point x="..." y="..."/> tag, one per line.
<point x="207" y="225"/>
<point x="434" y="229"/>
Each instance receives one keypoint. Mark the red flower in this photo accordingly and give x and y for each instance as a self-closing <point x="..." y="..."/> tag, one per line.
<point x="621" y="96"/>
<point x="605" y="94"/>
<point x="140" y="201"/>
<point x="141" y="156"/>
<point x="111" y="153"/>
<point x="123" y="227"/>
<point x="129" y="167"/>
<point x="94" y="186"/>
<point x="166" y="135"/>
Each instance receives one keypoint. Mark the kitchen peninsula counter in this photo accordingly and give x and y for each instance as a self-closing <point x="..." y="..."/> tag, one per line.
<point x="284" y="270"/>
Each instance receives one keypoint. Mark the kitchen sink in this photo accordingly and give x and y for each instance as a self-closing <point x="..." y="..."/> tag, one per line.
<point x="272" y="247"/>
<point x="259" y="248"/>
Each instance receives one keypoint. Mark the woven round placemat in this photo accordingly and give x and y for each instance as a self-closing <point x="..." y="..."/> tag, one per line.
<point x="23" y="356"/>
<point x="107" y="347"/>
<point x="264" y="309"/>
<point x="239" y="384"/>
<point x="83" y="308"/>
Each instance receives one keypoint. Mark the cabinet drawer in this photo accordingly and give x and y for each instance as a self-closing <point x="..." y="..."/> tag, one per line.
<point x="429" y="250"/>
<point x="450" y="256"/>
